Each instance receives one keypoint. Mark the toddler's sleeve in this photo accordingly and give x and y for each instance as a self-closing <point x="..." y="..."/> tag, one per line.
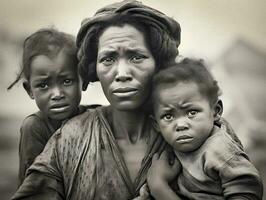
<point x="240" y="179"/>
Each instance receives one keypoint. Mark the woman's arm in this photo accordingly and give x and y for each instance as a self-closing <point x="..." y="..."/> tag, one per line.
<point x="160" y="174"/>
<point x="39" y="186"/>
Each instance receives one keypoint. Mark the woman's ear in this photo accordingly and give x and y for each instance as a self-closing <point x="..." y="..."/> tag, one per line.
<point x="26" y="86"/>
<point x="154" y="123"/>
<point x="218" y="110"/>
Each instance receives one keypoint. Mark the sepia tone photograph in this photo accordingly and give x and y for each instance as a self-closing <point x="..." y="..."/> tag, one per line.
<point x="130" y="99"/>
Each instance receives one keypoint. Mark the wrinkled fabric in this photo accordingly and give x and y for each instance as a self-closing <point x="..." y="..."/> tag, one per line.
<point x="218" y="170"/>
<point x="82" y="161"/>
<point x="34" y="134"/>
<point x="35" y="131"/>
<point x="135" y="10"/>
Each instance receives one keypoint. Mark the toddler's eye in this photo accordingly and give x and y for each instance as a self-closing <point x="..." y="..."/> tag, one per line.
<point x="43" y="85"/>
<point x="168" y="117"/>
<point x="192" y="113"/>
<point x="68" y="82"/>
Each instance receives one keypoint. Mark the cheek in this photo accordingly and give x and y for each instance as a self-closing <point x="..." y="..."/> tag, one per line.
<point x="166" y="131"/>
<point x="145" y="80"/>
<point x="41" y="100"/>
<point x="104" y="75"/>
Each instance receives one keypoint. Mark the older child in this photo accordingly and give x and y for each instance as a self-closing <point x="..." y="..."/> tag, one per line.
<point x="187" y="109"/>
<point x="50" y="74"/>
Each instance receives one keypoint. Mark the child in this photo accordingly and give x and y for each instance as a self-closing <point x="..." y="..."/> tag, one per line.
<point x="187" y="111"/>
<point x="50" y="74"/>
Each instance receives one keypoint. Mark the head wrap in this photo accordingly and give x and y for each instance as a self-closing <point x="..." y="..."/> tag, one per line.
<point x="133" y="9"/>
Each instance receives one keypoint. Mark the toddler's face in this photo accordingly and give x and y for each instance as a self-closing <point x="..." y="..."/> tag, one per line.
<point x="184" y="115"/>
<point x="55" y="85"/>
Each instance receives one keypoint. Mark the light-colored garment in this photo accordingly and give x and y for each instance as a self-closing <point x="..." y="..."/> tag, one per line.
<point x="218" y="170"/>
<point x="83" y="161"/>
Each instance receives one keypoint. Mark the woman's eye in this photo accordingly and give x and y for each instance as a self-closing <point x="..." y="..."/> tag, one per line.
<point x="192" y="113"/>
<point x="137" y="58"/>
<point x="68" y="82"/>
<point x="107" y="61"/>
<point x="168" y="117"/>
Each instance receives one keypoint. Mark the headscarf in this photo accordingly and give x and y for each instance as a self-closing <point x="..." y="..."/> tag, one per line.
<point x="133" y="9"/>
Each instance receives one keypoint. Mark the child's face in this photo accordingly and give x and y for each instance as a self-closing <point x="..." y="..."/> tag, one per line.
<point x="184" y="115"/>
<point x="55" y="85"/>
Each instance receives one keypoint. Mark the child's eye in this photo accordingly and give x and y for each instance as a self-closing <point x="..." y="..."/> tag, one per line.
<point x="192" y="113"/>
<point x="168" y="117"/>
<point x="68" y="82"/>
<point x="42" y="85"/>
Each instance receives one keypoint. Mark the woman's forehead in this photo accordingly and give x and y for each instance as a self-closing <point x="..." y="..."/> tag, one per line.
<point x="115" y="37"/>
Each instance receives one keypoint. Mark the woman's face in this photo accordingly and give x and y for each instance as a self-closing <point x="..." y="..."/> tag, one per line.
<point x="124" y="67"/>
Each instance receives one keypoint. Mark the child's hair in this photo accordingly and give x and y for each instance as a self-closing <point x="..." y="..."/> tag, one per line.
<point x="189" y="70"/>
<point x="48" y="42"/>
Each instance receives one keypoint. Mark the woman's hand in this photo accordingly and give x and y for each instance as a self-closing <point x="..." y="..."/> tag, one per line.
<point x="161" y="173"/>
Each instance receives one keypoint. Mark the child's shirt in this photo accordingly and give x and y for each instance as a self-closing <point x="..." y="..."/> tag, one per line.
<point x="217" y="170"/>
<point x="35" y="131"/>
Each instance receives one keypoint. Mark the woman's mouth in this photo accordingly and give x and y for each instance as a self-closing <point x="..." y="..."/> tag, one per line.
<point x="125" y="92"/>
<point x="184" y="139"/>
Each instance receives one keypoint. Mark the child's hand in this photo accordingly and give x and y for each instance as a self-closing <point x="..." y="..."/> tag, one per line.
<point x="161" y="171"/>
<point x="144" y="193"/>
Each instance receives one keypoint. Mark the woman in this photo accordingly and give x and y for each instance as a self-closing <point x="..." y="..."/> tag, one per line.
<point x="105" y="153"/>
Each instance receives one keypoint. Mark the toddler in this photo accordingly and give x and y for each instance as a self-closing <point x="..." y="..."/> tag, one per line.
<point x="187" y="111"/>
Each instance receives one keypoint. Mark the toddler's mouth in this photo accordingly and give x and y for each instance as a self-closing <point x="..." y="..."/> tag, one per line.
<point x="184" y="139"/>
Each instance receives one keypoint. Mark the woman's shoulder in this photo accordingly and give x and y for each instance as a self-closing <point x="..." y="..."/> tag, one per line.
<point x="82" y="123"/>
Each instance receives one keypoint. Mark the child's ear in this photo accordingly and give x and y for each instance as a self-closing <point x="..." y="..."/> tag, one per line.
<point x="27" y="87"/>
<point x="218" y="110"/>
<point x="154" y="123"/>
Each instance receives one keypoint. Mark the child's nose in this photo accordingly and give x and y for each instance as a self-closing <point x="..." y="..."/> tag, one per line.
<point x="181" y="124"/>
<point x="57" y="93"/>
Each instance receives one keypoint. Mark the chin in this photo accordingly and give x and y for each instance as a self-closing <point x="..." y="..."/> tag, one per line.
<point x="60" y="116"/>
<point x="126" y="106"/>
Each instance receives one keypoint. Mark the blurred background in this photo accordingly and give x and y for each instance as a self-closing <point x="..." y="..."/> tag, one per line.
<point x="229" y="35"/>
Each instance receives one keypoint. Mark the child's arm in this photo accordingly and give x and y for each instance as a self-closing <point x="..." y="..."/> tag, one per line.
<point x="160" y="174"/>
<point x="31" y="143"/>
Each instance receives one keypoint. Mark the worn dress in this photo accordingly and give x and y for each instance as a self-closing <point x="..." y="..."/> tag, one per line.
<point x="82" y="160"/>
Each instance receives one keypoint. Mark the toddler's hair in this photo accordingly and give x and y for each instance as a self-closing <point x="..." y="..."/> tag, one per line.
<point x="189" y="70"/>
<point x="48" y="42"/>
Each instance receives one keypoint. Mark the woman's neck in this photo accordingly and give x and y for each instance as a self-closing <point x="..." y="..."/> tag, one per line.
<point x="129" y="125"/>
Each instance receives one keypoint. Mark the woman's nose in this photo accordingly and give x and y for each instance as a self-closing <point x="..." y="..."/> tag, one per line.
<point x="123" y="72"/>
<point x="181" y="124"/>
<point x="57" y="93"/>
